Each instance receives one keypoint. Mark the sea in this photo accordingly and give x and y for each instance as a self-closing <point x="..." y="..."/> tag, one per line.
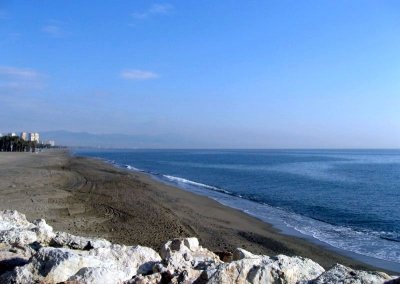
<point x="346" y="200"/>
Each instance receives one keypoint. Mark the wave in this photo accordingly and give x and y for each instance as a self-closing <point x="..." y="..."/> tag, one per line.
<point x="129" y="167"/>
<point x="390" y="239"/>
<point x="194" y="183"/>
<point x="367" y="243"/>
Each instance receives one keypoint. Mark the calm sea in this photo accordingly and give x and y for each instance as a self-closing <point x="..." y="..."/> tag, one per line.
<point x="348" y="199"/>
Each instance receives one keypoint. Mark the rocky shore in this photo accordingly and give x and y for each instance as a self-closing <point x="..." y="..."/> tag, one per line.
<point x="32" y="252"/>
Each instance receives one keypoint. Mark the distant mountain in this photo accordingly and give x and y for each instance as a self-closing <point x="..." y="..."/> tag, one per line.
<point x="85" y="139"/>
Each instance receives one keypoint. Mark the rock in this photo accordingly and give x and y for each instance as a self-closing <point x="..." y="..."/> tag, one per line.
<point x="54" y="265"/>
<point x="18" y="236"/>
<point x="185" y="259"/>
<point x="10" y="219"/>
<point x="33" y="253"/>
<point x="242" y="254"/>
<point x="233" y="272"/>
<point x="94" y="275"/>
<point x="148" y="279"/>
<point x="19" y="275"/>
<point x="12" y="256"/>
<point x="15" y="229"/>
<point x="44" y="232"/>
<point x="191" y="243"/>
<point x="131" y="259"/>
<point x="225" y="256"/>
<point x="186" y="252"/>
<point x="393" y="281"/>
<point x="342" y="274"/>
<point x="285" y="269"/>
<point x="62" y="239"/>
<point x="263" y="269"/>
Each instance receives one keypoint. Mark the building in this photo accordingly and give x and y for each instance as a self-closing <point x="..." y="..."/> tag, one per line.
<point x="24" y="136"/>
<point x="52" y="143"/>
<point x="34" y="137"/>
<point x="12" y="134"/>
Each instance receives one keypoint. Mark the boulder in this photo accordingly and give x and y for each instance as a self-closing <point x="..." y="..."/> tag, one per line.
<point x="233" y="272"/>
<point x="130" y="259"/>
<point x="148" y="279"/>
<point x="33" y="253"/>
<point x="44" y="232"/>
<point x="252" y="268"/>
<point x="10" y="219"/>
<point x="185" y="259"/>
<point x="62" y="239"/>
<point x="97" y="275"/>
<point x="54" y="265"/>
<point x="15" y="229"/>
<point x="186" y="252"/>
<point x="12" y="256"/>
<point x="345" y="275"/>
<point x="240" y="253"/>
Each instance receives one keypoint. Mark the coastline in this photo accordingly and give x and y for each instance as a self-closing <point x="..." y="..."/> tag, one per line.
<point x="90" y="197"/>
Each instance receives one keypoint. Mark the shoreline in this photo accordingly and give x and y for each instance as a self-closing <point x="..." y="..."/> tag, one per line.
<point x="279" y="227"/>
<point x="287" y="230"/>
<point x="87" y="196"/>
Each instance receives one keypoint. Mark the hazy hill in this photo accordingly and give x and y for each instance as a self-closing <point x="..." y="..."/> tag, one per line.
<point x="85" y="139"/>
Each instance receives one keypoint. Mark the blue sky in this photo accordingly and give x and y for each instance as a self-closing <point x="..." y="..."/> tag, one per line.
<point x="263" y="74"/>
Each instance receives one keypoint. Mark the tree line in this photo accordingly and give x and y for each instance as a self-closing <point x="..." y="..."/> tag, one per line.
<point x="16" y="144"/>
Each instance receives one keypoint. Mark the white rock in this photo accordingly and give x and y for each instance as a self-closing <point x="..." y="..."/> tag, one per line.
<point x="15" y="229"/>
<point x="18" y="236"/>
<point x="62" y="239"/>
<point x="148" y="279"/>
<point x="97" y="275"/>
<point x="54" y="265"/>
<point x="185" y="259"/>
<point x="10" y="219"/>
<point x="186" y="252"/>
<point x="130" y="259"/>
<point x="44" y="232"/>
<point x="264" y="269"/>
<point x="12" y="256"/>
<point x="240" y="253"/>
<point x="191" y="243"/>
<point x="345" y="275"/>
<point x="287" y="270"/>
<point x="233" y="272"/>
<point x="24" y="248"/>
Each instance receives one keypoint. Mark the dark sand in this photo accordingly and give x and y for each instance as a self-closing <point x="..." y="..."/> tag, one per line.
<point x="91" y="198"/>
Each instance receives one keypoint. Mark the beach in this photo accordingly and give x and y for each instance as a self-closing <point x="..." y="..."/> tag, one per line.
<point x="89" y="197"/>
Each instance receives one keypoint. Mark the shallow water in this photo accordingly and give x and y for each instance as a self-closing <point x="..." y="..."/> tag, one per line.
<point x="349" y="199"/>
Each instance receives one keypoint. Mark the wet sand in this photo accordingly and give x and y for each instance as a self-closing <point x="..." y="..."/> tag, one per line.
<point x="91" y="198"/>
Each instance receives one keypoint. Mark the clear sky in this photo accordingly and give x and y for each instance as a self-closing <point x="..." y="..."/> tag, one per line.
<point x="265" y="74"/>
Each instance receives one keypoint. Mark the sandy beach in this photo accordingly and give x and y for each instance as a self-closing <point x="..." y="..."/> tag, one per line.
<point x="89" y="197"/>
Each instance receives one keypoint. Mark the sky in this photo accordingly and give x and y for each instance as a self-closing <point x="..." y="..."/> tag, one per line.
<point x="206" y="74"/>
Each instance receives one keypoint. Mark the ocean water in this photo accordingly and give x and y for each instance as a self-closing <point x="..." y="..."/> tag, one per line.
<point x="347" y="199"/>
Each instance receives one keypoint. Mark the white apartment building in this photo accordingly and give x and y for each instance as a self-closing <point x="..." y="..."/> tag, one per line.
<point x="24" y="136"/>
<point x="34" y="137"/>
